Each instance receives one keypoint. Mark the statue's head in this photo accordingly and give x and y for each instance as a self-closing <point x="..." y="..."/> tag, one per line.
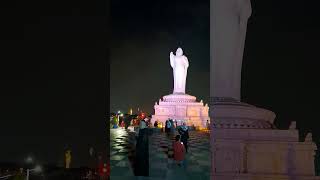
<point x="179" y="52"/>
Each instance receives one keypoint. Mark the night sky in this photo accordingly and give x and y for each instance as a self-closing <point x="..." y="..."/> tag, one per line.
<point x="54" y="80"/>
<point x="280" y="63"/>
<point x="143" y="34"/>
<point x="54" y="83"/>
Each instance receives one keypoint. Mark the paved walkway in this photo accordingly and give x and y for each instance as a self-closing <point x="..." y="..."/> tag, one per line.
<point x="160" y="157"/>
<point x="122" y="153"/>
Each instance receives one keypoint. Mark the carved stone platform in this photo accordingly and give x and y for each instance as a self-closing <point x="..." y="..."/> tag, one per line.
<point x="230" y="113"/>
<point x="183" y="108"/>
<point x="247" y="146"/>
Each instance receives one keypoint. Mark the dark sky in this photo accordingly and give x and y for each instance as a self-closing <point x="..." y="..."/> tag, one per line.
<point x="280" y="61"/>
<point x="53" y="80"/>
<point x="143" y="34"/>
<point x="280" y="64"/>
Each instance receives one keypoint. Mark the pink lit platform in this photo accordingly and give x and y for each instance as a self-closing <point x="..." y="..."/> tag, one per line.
<point x="183" y="108"/>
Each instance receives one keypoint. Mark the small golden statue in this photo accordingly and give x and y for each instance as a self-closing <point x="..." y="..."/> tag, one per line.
<point x="68" y="158"/>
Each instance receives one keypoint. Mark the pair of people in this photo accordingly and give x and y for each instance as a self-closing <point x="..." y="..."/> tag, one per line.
<point x="180" y="146"/>
<point x="184" y="134"/>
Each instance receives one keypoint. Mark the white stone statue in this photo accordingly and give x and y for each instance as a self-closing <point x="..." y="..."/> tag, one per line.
<point x="227" y="45"/>
<point x="179" y="64"/>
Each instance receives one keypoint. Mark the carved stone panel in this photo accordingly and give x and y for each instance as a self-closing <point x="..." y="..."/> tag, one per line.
<point x="228" y="160"/>
<point x="193" y="111"/>
<point x="181" y="111"/>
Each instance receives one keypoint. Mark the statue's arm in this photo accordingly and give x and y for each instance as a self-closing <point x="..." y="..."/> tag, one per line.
<point x="187" y="62"/>
<point x="171" y="59"/>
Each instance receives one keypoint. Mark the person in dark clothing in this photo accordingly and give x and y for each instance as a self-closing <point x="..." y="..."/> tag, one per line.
<point x="155" y="124"/>
<point x="172" y="126"/>
<point x="168" y="127"/>
<point x="142" y="149"/>
<point x="92" y="162"/>
<point x="147" y="122"/>
<point x="184" y="133"/>
<point x="127" y="121"/>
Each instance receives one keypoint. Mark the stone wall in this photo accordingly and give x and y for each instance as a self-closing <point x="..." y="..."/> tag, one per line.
<point x="261" y="157"/>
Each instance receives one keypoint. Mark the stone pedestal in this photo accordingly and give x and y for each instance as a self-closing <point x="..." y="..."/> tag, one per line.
<point x="183" y="108"/>
<point x="261" y="154"/>
<point x="247" y="146"/>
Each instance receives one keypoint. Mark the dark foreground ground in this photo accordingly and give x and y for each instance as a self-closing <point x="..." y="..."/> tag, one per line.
<point x="51" y="173"/>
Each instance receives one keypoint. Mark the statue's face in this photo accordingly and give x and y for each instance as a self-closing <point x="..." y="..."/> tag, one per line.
<point x="179" y="52"/>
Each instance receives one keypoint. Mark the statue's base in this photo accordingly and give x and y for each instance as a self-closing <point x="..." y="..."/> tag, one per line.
<point x="246" y="145"/>
<point x="230" y="113"/>
<point x="182" y="108"/>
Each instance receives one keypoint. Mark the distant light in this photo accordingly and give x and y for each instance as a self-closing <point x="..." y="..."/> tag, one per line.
<point x="119" y="112"/>
<point x="29" y="159"/>
<point x="38" y="169"/>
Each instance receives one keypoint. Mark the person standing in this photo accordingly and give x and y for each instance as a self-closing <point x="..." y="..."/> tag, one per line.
<point x="122" y="124"/>
<point x="178" y="151"/>
<point x="103" y="171"/>
<point x="92" y="162"/>
<point x="155" y="124"/>
<point x="102" y="167"/>
<point x="127" y="121"/>
<point x="146" y="120"/>
<point x="142" y="151"/>
<point x="172" y="127"/>
<point x="168" y="127"/>
<point x="184" y="133"/>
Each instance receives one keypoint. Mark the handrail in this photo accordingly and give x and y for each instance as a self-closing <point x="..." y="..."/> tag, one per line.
<point x="5" y="177"/>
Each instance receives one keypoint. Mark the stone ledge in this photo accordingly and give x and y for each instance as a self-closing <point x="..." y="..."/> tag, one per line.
<point x="256" y="134"/>
<point x="242" y="115"/>
<point x="242" y="176"/>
